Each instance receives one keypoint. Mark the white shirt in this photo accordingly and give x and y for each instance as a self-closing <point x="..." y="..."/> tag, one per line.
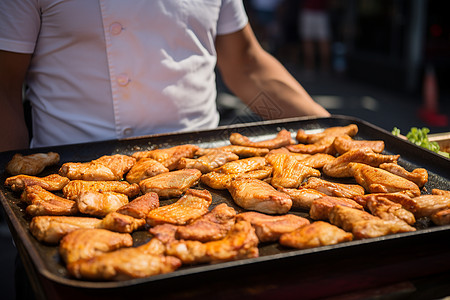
<point x="110" y="69"/>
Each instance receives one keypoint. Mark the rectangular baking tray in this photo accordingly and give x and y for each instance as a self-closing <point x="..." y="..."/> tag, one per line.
<point x="346" y="266"/>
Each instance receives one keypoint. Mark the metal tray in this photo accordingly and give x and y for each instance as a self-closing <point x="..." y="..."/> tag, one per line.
<point x="289" y="268"/>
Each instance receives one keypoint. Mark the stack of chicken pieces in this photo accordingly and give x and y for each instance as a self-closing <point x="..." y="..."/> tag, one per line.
<point x="317" y="189"/>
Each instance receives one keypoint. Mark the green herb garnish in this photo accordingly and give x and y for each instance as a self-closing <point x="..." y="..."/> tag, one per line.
<point x="420" y="138"/>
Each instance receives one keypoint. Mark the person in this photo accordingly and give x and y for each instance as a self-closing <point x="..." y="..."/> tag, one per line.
<point x="99" y="70"/>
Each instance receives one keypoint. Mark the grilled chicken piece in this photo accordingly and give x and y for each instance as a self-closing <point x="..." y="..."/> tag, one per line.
<point x="221" y="181"/>
<point x="270" y="228"/>
<point x="87" y="243"/>
<point x="141" y="206"/>
<point x="100" y="204"/>
<point x="51" y="229"/>
<point x="169" y="157"/>
<point x="53" y="182"/>
<point x="107" y="167"/>
<point x="303" y="137"/>
<point x="208" y="162"/>
<point x="388" y="210"/>
<point x="427" y="205"/>
<point x="45" y="203"/>
<point x="440" y="192"/>
<point x="241" y="151"/>
<point x="32" y="164"/>
<point x="115" y="221"/>
<point x="364" y="225"/>
<point x="191" y="206"/>
<point x="76" y="187"/>
<point x="314" y="235"/>
<point x="254" y="194"/>
<point x="284" y="150"/>
<point x="441" y="217"/>
<point x="401" y="198"/>
<point x="419" y="176"/>
<point x="339" y="167"/>
<point x="242" y="165"/>
<point x="321" y="207"/>
<point x="317" y="161"/>
<point x="164" y="232"/>
<point x="324" y="145"/>
<point x="171" y="184"/>
<point x="376" y="180"/>
<point x="288" y="172"/>
<point x="210" y="227"/>
<point x="125" y="263"/>
<point x="332" y="188"/>
<point x="282" y="139"/>
<point x="302" y="198"/>
<point x="240" y="242"/>
<point x="145" y="168"/>
<point x="345" y="143"/>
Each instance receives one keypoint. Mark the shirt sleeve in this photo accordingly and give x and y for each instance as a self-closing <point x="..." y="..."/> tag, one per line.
<point x="232" y="17"/>
<point x="20" y="24"/>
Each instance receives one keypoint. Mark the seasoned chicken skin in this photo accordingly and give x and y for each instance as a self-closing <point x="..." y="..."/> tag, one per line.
<point x="171" y="184"/>
<point x="100" y="204"/>
<point x="441" y="217"/>
<point x="270" y="228"/>
<point x="388" y="210"/>
<point x="53" y="182"/>
<point x="45" y="203"/>
<point x="32" y="164"/>
<point x="222" y="181"/>
<point x="302" y="198"/>
<point x="316" y="161"/>
<point x="427" y="205"/>
<point x="333" y="188"/>
<point x="399" y="197"/>
<point x="242" y="165"/>
<point x="254" y="194"/>
<point x="241" y="151"/>
<point x="141" y="206"/>
<point x="419" y="176"/>
<point x="87" y="243"/>
<point x="324" y="145"/>
<point x="282" y="139"/>
<point x="118" y="222"/>
<point x="345" y="143"/>
<point x="314" y="235"/>
<point x="321" y="207"/>
<point x="208" y="162"/>
<point x="304" y="137"/>
<point x="145" y="168"/>
<point x="76" y="187"/>
<point x="440" y="192"/>
<point x="191" y="206"/>
<point x="169" y="157"/>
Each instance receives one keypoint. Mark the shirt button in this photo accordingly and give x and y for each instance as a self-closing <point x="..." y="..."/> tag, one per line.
<point x="123" y="79"/>
<point x="115" y="28"/>
<point x="127" y="131"/>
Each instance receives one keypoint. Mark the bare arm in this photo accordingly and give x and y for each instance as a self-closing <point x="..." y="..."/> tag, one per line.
<point x="259" y="80"/>
<point x="13" y="67"/>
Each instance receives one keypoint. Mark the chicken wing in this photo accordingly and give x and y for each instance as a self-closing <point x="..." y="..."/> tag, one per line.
<point x="339" y="166"/>
<point x="321" y="207"/>
<point x="208" y="162"/>
<point x="427" y="205"/>
<point x="254" y="194"/>
<point x="302" y="198"/>
<point x="345" y="143"/>
<point x="324" y="145"/>
<point x="440" y="192"/>
<point x="210" y="227"/>
<point x="45" y="203"/>
<point x="240" y="242"/>
<point x="87" y="243"/>
<point x="76" y="187"/>
<point x="145" y="168"/>
<point x="221" y="181"/>
<point x="164" y="232"/>
<point x="99" y="204"/>
<point x="191" y="206"/>
<point x="399" y="197"/>
<point x="32" y="164"/>
<point x="419" y="176"/>
<point x="241" y="151"/>
<point x="169" y="157"/>
<point x="283" y="138"/>
<point x="314" y="235"/>
<point x="270" y="228"/>
<point x="317" y="161"/>
<point x="376" y="180"/>
<point x="388" y="210"/>
<point x="141" y="206"/>
<point x="53" y="182"/>
<point x="441" y="217"/>
<point x="118" y="222"/>
<point x="304" y="137"/>
<point x="242" y="165"/>
<point x="333" y="188"/>
<point x="171" y="184"/>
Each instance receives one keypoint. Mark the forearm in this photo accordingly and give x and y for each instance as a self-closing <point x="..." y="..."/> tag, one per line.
<point x="14" y="133"/>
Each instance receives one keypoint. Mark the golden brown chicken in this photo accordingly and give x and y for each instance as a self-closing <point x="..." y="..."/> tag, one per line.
<point x="240" y="242"/>
<point x="440" y="192"/>
<point x="388" y="210"/>
<point x="241" y="151"/>
<point x="141" y="206"/>
<point x="254" y="194"/>
<point x="118" y="222"/>
<point x="32" y="164"/>
<point x="304" y="137"/>
<point x="270" y="228"/>
<point x="376" y="180"/>
<point x="171" y="184"/>
<point x="364" y="225"/>
<point x="99" y="204"/>
<point x="345" y="143"/>
<point x="441" y="217"/>
<point x="288" y="172"/>
<point x="324" y="145"/>
<point x="242" y="165"/>
<point x="208" y="162"/>
<point x="316" y="161"/>
<point x="321" y="207"/>
<point x="399" y="197"/>
<point x="125" y="263"/>
<point x="419" y="176"/>
<point x="45" y="203"/>
<point x="302" y="198"/>
<point x="87" y="243"/>
<point x="314" y="235"/>
<point x="427" y="205"/>
<point x="76" y="187"/>
<point x="191" y="206"/>
<point x="333" y="188"/>
<point x="221" y="181"/>
<point x="145" y="168"/>
<point x="164" y="232"/>
<point x="283" y="138"/>
<point x="169" y="157"/>
<point x="339" y="167"/>
<point x="52" y="182"/>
